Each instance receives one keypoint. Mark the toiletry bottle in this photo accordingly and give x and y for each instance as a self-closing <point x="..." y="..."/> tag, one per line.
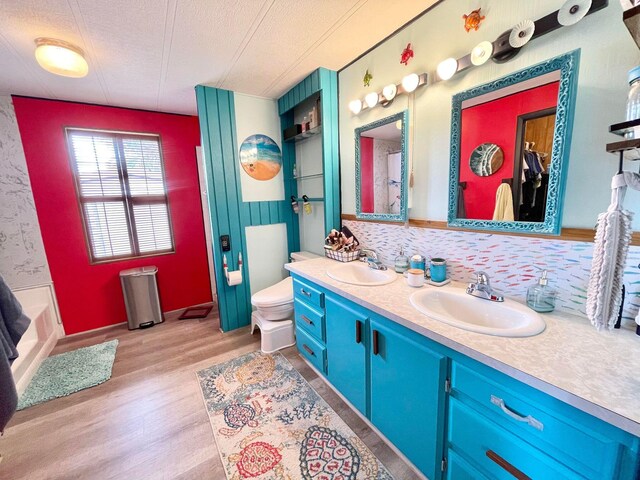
<point x="402" y="262"/>
<point x="541" y="297"/>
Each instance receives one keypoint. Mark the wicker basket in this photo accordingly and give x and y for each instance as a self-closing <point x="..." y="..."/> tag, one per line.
<point x="342" y="256"/>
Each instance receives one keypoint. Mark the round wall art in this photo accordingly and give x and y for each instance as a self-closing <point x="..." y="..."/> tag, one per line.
<point x="486" y="159"/>
<point x="260" y="157"/>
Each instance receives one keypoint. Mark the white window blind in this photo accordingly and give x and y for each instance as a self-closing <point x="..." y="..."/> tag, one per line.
<point x="122" y="192"/>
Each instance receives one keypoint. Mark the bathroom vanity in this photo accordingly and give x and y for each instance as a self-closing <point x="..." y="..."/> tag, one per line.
<point x="463" y="405"/>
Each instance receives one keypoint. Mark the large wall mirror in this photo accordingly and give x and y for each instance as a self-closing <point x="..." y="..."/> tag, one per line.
<point x="381" y="169"/>
<point x="510" y="142"/>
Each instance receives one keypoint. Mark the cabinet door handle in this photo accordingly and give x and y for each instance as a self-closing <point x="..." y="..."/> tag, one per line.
<point x="529" y="420"/>
<point x="305" y="293"/>
<point x="309" y="351"/>
<point x="306" y="319"/>
<point x="358" y="331"/>
<point x="376" y="350"/>
<point x="493" y="456"/>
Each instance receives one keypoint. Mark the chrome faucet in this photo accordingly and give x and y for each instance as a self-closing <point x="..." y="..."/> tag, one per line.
<point x="371" y="257"/>
<point x="482" y="288"/>
<point x="367" y="253"/>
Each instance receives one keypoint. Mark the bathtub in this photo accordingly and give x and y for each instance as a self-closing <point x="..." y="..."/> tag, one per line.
<point x="44" y="331"/>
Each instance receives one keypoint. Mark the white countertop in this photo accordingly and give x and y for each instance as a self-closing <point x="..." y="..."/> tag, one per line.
<point x="597" y="372"/>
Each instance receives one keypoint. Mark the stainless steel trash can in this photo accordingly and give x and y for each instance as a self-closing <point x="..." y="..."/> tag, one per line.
<point x="141" y="298"/>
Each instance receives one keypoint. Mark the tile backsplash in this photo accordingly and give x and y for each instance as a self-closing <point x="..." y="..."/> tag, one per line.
<point x="508" y="260"/>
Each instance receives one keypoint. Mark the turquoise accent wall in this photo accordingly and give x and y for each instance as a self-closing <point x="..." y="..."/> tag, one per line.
<point x="326" y="82"/>
<point x="229" y="214"/>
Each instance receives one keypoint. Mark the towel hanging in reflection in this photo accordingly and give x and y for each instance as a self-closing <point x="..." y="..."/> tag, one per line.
<point x="504" y="204"/>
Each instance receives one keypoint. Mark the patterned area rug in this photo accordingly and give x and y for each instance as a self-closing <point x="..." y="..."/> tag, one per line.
<point x="270" y="424"/>
<point x="70" y="372"/>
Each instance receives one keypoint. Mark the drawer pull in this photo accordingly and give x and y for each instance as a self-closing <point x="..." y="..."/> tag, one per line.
<point x="493" y="456"/>
<point x="358" y="331"/>
<point x="309" y="351"/>
<point x="376" y="349"/>
<point x="537" y="424"/>
<point x="305" y="293"/>
<point x="306" y="319"/>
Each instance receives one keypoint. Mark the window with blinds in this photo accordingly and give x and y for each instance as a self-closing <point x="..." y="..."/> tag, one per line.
<point x="122" y="193"/>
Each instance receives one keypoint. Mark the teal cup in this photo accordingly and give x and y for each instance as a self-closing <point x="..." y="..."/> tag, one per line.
<point x="438" y="269"/>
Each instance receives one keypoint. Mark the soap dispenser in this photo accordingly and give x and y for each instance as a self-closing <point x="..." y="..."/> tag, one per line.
<point x="402" y="262"/>
<point x="541" y="297"/>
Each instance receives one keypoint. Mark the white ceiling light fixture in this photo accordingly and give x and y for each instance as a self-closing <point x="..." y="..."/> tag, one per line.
<point x="522" y="33"/>
<point x="61" y="58"/>
<point x="481" y="53"/>
<point x="447" y="68"/>
<point x="410" y="82"/>
<point x="389" y="92"/>
<point x="355" y="106"/>
<point x="372" y="99"/>
<point x="573" y="11"/>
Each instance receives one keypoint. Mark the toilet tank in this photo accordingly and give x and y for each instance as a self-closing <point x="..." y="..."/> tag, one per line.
<point x="301" y="256"/>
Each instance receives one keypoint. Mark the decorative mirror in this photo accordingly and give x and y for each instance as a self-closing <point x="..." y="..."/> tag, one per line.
<point x="381" y="169"/>
<point x="510" y="142"/>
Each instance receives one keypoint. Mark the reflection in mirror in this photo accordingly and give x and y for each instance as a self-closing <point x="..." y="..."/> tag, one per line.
<point x="486" y="159"/>
<point x="381" y="169"/>
<point x="509" y="149"/>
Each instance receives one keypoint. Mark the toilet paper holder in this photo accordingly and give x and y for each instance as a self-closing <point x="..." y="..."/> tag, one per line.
<point x="233" y="277"/>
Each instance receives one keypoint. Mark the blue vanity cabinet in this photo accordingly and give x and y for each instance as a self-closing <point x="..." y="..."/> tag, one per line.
<point x="407" y="394"/>
<point x="346" y="327"/>
<point x="500" y="425"/>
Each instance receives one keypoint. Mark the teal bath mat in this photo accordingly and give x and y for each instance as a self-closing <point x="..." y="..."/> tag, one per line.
<point x="70" y="372"/>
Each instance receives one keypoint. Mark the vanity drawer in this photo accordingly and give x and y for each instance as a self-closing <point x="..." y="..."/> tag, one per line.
<point x="459" y="469"/>
<point x="311" y="349"/>
<point x="309" y="294"/>
<point x="497" y="453"/>
<point x="309" y="319"/>
<point x="572" y="437"/>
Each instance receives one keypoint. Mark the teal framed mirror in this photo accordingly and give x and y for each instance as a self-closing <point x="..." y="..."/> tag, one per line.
<point x="510" y="144"/>
<point x="381" y="169"/>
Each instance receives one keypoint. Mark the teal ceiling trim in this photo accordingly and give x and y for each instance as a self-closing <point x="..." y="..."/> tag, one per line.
<point x="229" y="214"/>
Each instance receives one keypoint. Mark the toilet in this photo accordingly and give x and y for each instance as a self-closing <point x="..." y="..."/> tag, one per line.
<point x="274" y="311"/>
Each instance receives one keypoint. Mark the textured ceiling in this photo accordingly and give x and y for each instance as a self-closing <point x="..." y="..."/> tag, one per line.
<point x="151" y="53"/>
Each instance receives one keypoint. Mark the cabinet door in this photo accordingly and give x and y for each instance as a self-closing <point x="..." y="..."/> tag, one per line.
<point x="407" y="393"/>
<point x="346" y="350"/>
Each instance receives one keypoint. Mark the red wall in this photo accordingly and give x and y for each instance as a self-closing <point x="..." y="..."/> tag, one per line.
<point x="90" y="296"/>
<point x="366" y="174"/>
<point x="496" y="122"/>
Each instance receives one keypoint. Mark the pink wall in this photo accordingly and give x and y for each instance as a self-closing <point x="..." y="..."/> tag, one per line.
<point x="90" y="296"/>
<point x="366" y="174"/>
<point x="496" y="122"/>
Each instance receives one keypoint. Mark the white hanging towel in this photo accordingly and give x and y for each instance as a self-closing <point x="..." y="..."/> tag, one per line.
<point x="503" y="210"/>
<point x="613" y="235"/>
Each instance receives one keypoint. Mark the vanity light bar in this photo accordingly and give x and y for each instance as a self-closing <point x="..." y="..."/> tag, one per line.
<point x="500" y="52"/>
<point x="408" y="85"/>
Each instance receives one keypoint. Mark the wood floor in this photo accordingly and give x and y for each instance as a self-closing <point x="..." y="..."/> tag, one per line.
<point x="148" y="421"/>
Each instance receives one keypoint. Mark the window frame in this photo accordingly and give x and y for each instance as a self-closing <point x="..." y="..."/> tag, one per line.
<point x="128" y="200"/>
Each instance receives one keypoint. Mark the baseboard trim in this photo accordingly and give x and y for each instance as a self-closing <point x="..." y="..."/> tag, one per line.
<point x="366" y="420"/>
<point x="567" y="234"/>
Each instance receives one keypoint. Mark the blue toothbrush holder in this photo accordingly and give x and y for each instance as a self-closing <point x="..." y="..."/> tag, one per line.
<point x="438" y="270"/>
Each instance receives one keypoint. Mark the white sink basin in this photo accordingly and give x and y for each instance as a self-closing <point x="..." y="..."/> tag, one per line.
<point x="359" y="273"/>
<point x="455" y="307"/>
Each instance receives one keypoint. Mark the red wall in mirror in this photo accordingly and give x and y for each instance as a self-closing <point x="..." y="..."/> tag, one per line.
<point x="496" y="122"/>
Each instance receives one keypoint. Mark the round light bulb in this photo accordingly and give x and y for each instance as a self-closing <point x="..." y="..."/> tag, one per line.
<point x="389" y="92"/>
<point x="447" y="68"/>
<point x="410" y="82"/>
<point x="481" y="53"/>
<point x="371" y="99"/>
<point x="355" y="106"/>
<point x="61" y="58"/>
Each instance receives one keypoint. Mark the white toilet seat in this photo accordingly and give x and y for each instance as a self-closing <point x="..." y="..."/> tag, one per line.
<point x="279" y="294"/>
